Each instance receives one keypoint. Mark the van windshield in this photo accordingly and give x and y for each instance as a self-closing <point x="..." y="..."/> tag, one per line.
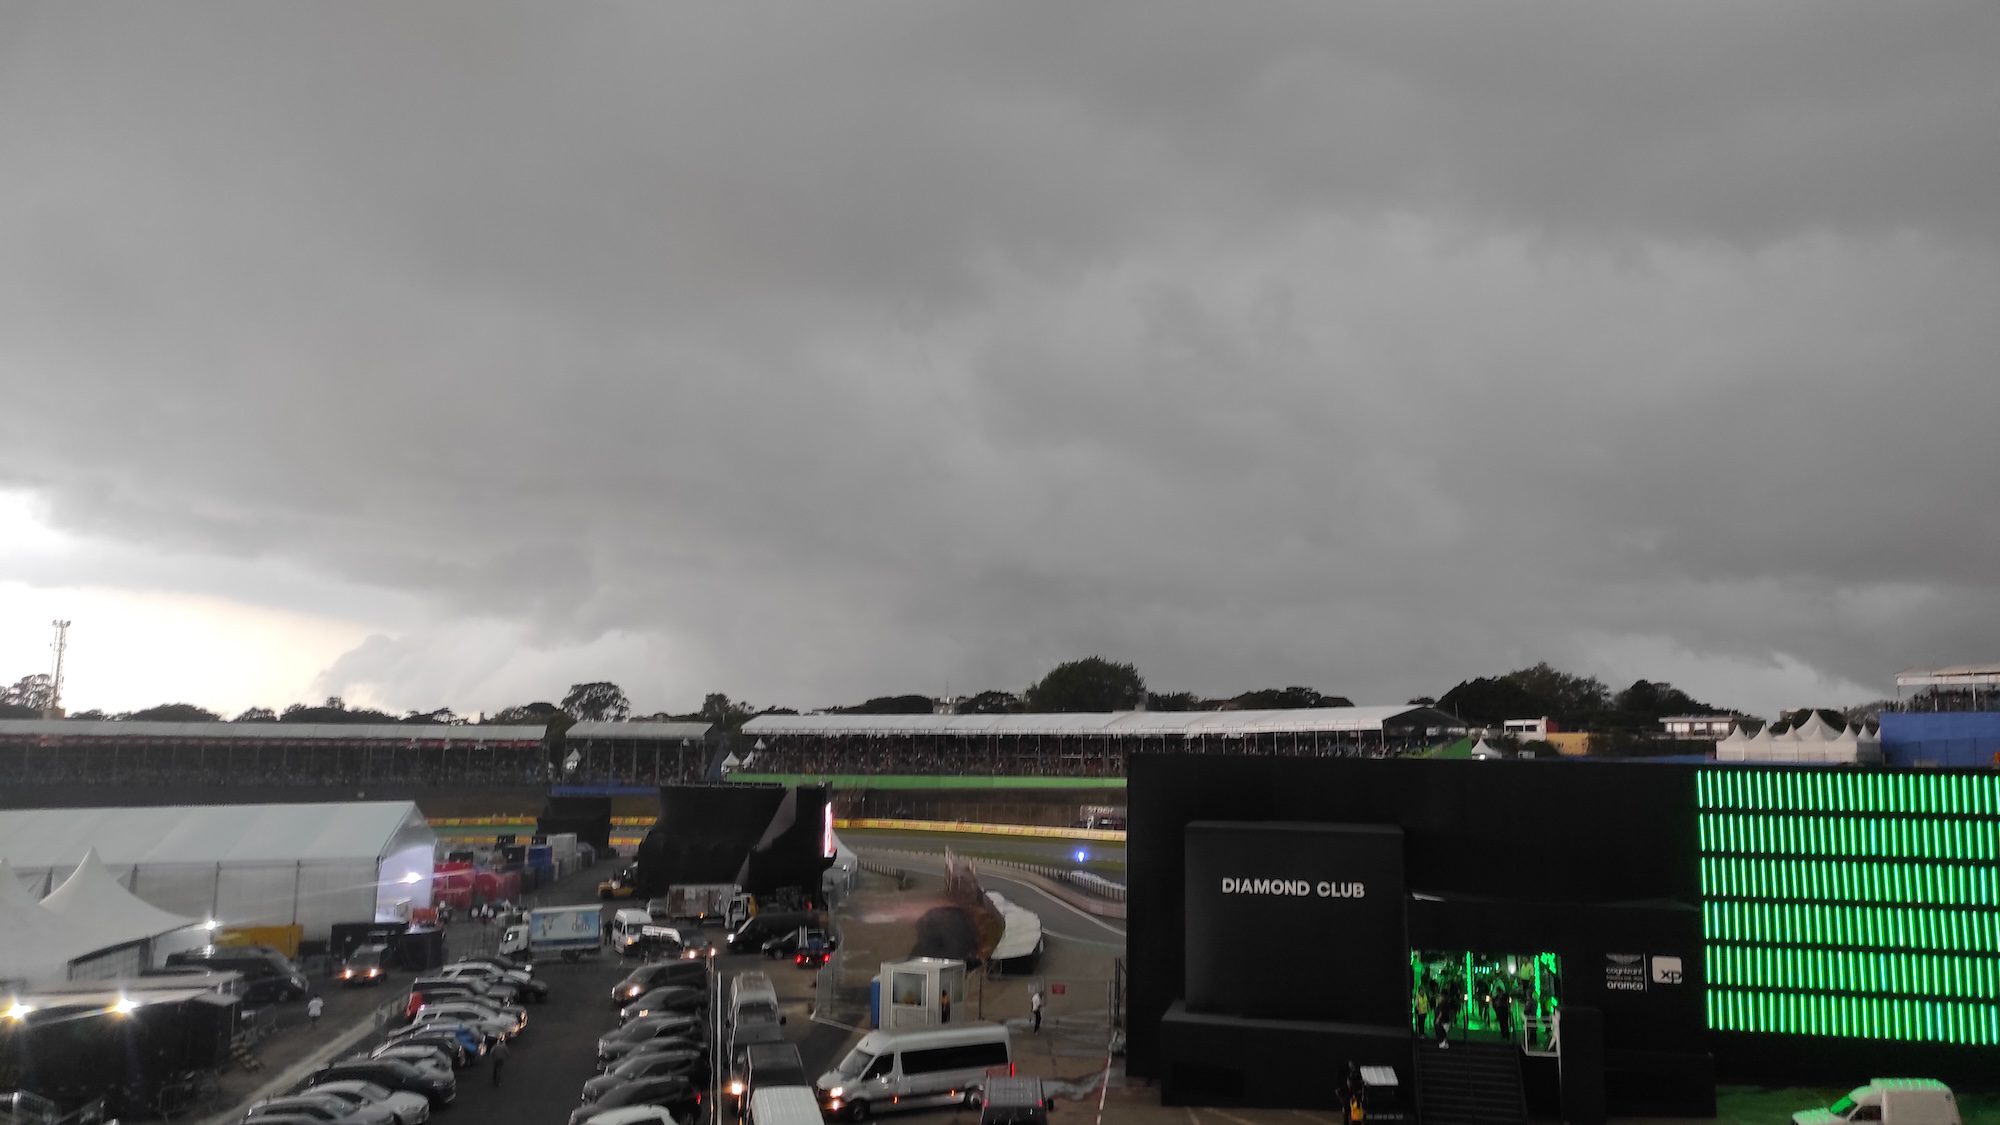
<point x="854" y="1064"/>
<point x="1842" y="1108"/>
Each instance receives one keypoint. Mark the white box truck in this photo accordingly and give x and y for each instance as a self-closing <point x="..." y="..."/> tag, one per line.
<point x="568" y="932"/>
<point x="1891" y="1101"/>
<point x="701" y="902"/>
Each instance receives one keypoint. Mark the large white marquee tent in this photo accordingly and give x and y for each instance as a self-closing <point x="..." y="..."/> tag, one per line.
<point x="1812" y="740"/>
<point x="312" y="865"/>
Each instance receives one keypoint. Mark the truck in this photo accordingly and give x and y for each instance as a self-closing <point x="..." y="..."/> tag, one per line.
<point x="701" y="902"/>
<point x="1892" y="1101"/>
<point x="565" y="931"/>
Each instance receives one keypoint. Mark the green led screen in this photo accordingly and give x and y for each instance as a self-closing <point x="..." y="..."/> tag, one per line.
<point x="1851" y="903"/>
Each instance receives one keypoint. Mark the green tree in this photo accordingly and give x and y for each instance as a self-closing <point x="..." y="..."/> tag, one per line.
<point x="256" y="715"/>
<point x="1285" y="699"/>
<point x="172" y="713"/>
<point x="601" y="701"/>
<point x="1174" y="701"/>
<point x="721" y="711"/>
<point x="31" y="694"/>
<point x="441" y="717"/>
<point x="1090" y="684"/>
<point x="891" y="705"/>
<point x="91" y="716"/>
<point x="990" y="703"/>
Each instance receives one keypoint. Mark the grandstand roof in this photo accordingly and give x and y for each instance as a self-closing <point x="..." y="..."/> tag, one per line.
<point x="270" y="732"/>
<point x="641" y="731"/>
<point x="1127" y="724"/>
<point x="1956" y="675"/>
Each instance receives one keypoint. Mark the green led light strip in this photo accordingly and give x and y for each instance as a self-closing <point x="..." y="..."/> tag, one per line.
<point x="1857" y="1017"/>
<point x="1851" y="903"/>
<point x="1865" y="927"/>
<point x="1852" y="971"/>
<point x="1846" y="791"/>
<point x="1969" y="841"/>
<point x="1928" y="884"/>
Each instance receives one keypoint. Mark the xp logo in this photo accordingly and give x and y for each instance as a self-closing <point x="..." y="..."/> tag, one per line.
<point x="1667" y="970"/>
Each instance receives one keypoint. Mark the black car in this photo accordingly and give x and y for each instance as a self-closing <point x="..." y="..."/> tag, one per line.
<point x="676" y="1093"/>
<point x="751" y="935"/>
<point x="267" y="976"/>
<point x="621" y="1041"/>
<point x="366" y="965"/>
<point x="395" y="1075"/>
<point x="672" y="1000"/>
<point x="659" y="974"/>
<point x="804" y="938"/>
<point x="764" y="1064"/>
<point x="683" y="1063"/>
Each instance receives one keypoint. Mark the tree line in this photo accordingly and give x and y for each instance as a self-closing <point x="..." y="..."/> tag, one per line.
<point x="1578" y="702"/>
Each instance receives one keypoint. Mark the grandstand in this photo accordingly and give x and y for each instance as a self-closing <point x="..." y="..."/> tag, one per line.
<point x="1961" y="687"/>
<point x="636" y="753"/>
<point x="45" y="752"/>
<point x="1084" y="744"/>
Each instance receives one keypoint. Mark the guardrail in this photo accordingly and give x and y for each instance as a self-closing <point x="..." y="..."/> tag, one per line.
<point x="1088" y="882"/>
<point x="1039" y="831"/>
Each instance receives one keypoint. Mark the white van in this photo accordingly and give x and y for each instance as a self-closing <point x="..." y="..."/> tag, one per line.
<point x="916" y="1067"/>
<point x="784" y="1105"/>
<point x="752" y="998"/>
<point x="627" y="927"/>
<point x="1891" y="1101"/>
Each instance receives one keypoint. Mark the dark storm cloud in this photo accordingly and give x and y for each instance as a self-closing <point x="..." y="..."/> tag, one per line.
<point x="814" y="352"/>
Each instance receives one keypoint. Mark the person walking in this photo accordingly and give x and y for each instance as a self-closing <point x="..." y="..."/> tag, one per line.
<point x="314" y="1006"/>
<point x="1035" y="1007"/>
<point x="498" y="1058"/>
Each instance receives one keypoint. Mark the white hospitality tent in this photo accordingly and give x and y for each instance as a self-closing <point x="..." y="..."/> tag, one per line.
<point x="311" y="865"/>
<point x="124" y="928"/>
<point x="35" y="943"/>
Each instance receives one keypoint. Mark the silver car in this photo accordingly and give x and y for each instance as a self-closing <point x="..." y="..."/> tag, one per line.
<point x="321" y="1107"/>
<point x="410" y="1109"/>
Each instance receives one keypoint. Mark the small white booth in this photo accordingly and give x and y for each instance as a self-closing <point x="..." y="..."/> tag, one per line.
<point x="923" y="992"/>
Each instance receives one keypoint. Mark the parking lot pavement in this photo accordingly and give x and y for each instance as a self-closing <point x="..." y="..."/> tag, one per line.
<point x="553" y="1058"/>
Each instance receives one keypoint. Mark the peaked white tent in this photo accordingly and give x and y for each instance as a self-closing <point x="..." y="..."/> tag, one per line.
<point x="1486" y="751"/>
<point x="1812" y="740"/>
<point x="35" y="944"/>
<point x="116" y="920"/>
<point x="312" y="865"/>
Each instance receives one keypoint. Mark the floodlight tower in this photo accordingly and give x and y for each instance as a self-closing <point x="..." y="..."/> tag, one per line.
<point x="61" y="646"/>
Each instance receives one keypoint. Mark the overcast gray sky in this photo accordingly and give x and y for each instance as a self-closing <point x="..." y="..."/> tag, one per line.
<point x="450" y="353"/>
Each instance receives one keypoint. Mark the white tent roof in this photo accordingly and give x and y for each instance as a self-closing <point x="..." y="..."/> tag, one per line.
<point x="34" y="942"/>
<point x="92" y="901"/>
<point x="1485" y="749"/>
<point x="1812" y="727"/>
<point x="1190" y="724"/>
<point x="646" y="731"/>
<point x="304" y="833"/>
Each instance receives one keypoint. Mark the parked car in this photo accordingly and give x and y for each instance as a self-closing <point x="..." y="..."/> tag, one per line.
<point x="499" y="961"/>
<point x="760" y="928"/>
<point x="685" y="1062"/>
<point x="673" y="998"/>
<point x="789" y="943"/>
<point x="763" y="1065"/>
<point x="471" y="987"/>
<point x="441" y="1057"/>
<point x="486" y="1022"/>
<point x="465" y="1044"/>
<point x="393" y="1073"/>
<point x="321" y="1107"/>
<point x="366" y="965"/>
<point x="1891" y="1101"/>
<point x="268" y="976"/>
<point x="525" y="986"/>
<point x="618" y="1043"/>
<point x="675" y="1093"/>
<point x="632" y="1115"/>
<point x="409" y="1109"/>
<point x="658" y="974"/>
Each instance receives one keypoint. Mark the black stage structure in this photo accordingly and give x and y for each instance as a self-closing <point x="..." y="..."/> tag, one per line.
<point x="1281" y="911"/>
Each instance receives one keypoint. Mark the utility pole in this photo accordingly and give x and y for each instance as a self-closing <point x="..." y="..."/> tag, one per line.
<point x="61" y="646"/>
